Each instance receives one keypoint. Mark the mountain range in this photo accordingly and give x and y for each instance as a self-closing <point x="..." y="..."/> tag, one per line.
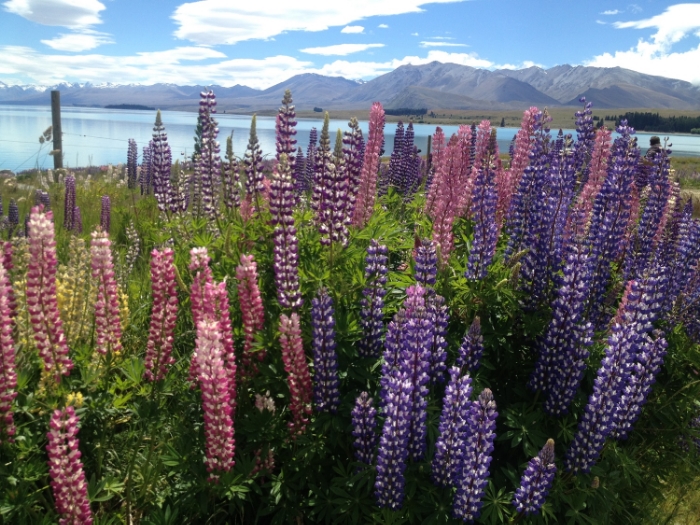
<point x="431" y="86"/>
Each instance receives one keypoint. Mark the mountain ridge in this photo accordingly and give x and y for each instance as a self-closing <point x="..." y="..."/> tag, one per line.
<point x="434" y="85"/>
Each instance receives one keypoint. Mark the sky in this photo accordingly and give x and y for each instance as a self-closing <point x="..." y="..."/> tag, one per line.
<point x="259" y="43"/>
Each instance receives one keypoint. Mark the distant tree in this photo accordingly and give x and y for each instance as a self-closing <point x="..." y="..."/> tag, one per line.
<point x="318" y="110"/>
<point x="503" y="122"/>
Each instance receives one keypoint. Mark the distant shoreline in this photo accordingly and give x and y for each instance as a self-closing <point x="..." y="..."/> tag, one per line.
<point x="130" y="106"/>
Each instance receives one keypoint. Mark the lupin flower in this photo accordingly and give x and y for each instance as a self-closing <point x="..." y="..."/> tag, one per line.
<point x="108" y="328"/>
<point x="131" y="164"/>
<point x="472" y="473"/>
<point x="8" y="373"/>
<point x="69" y="202"/>
<point x="326" y="382"/>
<point x="66" y="469"/>
<point x="146" y="169"/>
<point x="208" y="167"/>
<point x="252" y="161"/>
<point x="451" y="440"/>
<point x="536" y="481"/>
<point x="353" y="150"/>
<point x="472" y="347"/>
<point x="199" y="302"/>
<point x="363" y="428"/>
<point x="389" y="485"/>
<point x="230" y="177"/>
<point x="298" y="378"/>
<point x="251" y="309"/>
<point x="372" y="313"/>
<point x="163" y="315"/>
<point x="439" y="317"/>
<point x="286" y="251"/>
<point x="299" y="175"/>
<point x="303" y="185"/>
<point x="13" y="216"/>
<point x="323" y="182"/>
<point x="216" y="402"/>
<point x="42" y="304"/>
<point x="364" y="205"/>
<point x="395" y="160"/>
<point x="77" y="220"/>
<point x="106" y="214"/>
<point x="133" y="247"/>
<point x="425" y="269"/>
<point x="161" y="159"/>
<point x="340" y="213"/>
<point x="285" y="129"/>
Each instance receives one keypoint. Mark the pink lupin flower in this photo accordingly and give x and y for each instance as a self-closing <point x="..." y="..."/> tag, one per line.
<point x="438" y="158"/>
<point x="8" y="374"/>
<point x="163" y="315"/>
<point x="251" y="308"/>
<point x="447" y="201"/>
<point x="108" y="327"/>
<point x="298" y="377"/>
<point x="42" y="304"/>
<point x="201" y="275"/>
<point x="364" y="205"/>
<point x="596" y="174"/>
<point x="217" y="296"/>
<point x="66" y="469"/>
<point x="216" y="402"/>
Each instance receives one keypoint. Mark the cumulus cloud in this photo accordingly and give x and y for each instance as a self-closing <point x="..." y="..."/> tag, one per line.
<point x="339" y="49"/>
<point x="441" y="44"/>
<point x="610" y="12"/>
<point x="383" y="26"/>
<point x="212" y="22"/>
<point x="656" y="56"/>
<point x="67" y="13"/>
<point x="78" y="42"/>
<point x="352" y="29"/>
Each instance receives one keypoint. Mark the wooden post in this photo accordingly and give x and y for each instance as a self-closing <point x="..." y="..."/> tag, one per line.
<point x="428" y="158"/>
<point x="56" y="123"/>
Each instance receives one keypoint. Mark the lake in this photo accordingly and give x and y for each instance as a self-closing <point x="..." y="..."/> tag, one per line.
<point x="96" y="136"/>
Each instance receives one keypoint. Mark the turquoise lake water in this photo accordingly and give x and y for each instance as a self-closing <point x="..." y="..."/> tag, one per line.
<point x="96" y="137"/>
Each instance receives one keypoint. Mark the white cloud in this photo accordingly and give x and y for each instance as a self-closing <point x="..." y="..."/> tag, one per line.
<point x="383" y="26"/>
<point x="655" y="56"/>
<point x="78" y="42"/>
<point x="213" y="22"/>
<point x="601" y="22"/>
<point x="441" y="44"/>
<point x="610" y="12"/>
<point x="352" y="29"/>
<point x="339" y="49"/>
<point x="67" y="13"/>
<point x="414" y="34"/>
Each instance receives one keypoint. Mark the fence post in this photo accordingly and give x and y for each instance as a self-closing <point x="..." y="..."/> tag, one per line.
<point x="57" y="136"/>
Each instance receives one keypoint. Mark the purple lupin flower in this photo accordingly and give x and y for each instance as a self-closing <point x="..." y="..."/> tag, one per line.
<point x="639" y="309"/>
<point x="484" y="203"/>
<point x="77" y="220"/>
<point x="392" y="453"/>
<point x="472" y="347"/>
<point x="364" y="422"/>
<point x="162" y="164"/>
<point x="474" y="469"/>
<point x="299" y="172"/>
<point x="353" y="151"/>
<point x="106" y="214"/>
<point x="407" y="181"/>
<point x="146" y="174"/>
<point x="13" y="216"/>
<point x="252" y="160"/>
<point x="208" y="163"/>
<point x="425" y="270"/>
<point x="286" y="251"/>
<point x="536" y="481"/>
<point x="69" y="202"/>
<point x="563" y="349"/>
<point x="439" y="317"/>
<point x="285" y="129"/>
<point x="322" y="189"/>
<point x="450" y="443"/>
<point x="395" y="160"/>
<point x="340" y="201"/>
<point x="326" y="382"/>
<point x="131" y="163"/>
<point x="372" y="314"/>
<point x="305" y="184"/>
<point x="230" y="177"/>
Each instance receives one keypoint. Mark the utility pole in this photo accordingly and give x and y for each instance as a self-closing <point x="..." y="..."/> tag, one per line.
<point x="56" y="123"/>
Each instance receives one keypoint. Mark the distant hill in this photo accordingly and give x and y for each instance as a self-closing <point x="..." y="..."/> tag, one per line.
<point x="434" y="86"/>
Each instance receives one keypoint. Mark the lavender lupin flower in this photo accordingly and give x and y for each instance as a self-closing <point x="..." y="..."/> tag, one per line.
<point x="106" y="213"/>
<point x="230" y="177"/>
<point x="69" y="202"/>
<point x="162" y="164"/>
<point x="299" y="172"/>
<point x="131" y="163"/>
<point x="208" y="163"/>
<point x="326" y="383"/>
<point x="439" y="317"/>
<point x="472" y="347"/>
<point x="77" y="220"/>
<point x="395" y="161"/>
<point x="252" y="161"/>
<point x="450" y="443"/>
<point x="353" y="151"/>
<point x="536" y="481"/>
<point x="425" y="269"/>
<point x="305" y="185"/>
<point x="146" y="174"/>
<point x="372" y="315"/>
<point x="285" y="129"/>
<point x="474" y="469"/>
<point x="364" y="422"/>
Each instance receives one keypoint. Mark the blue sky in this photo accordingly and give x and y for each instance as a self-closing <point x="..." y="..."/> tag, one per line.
<point x="259" y="43"/>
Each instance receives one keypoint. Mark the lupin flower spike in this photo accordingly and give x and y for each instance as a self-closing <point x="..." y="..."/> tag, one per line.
<point x="536" y="481"/>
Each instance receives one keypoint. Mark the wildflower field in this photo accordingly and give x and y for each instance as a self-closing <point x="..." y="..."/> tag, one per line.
<point x="334" y="337"/>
